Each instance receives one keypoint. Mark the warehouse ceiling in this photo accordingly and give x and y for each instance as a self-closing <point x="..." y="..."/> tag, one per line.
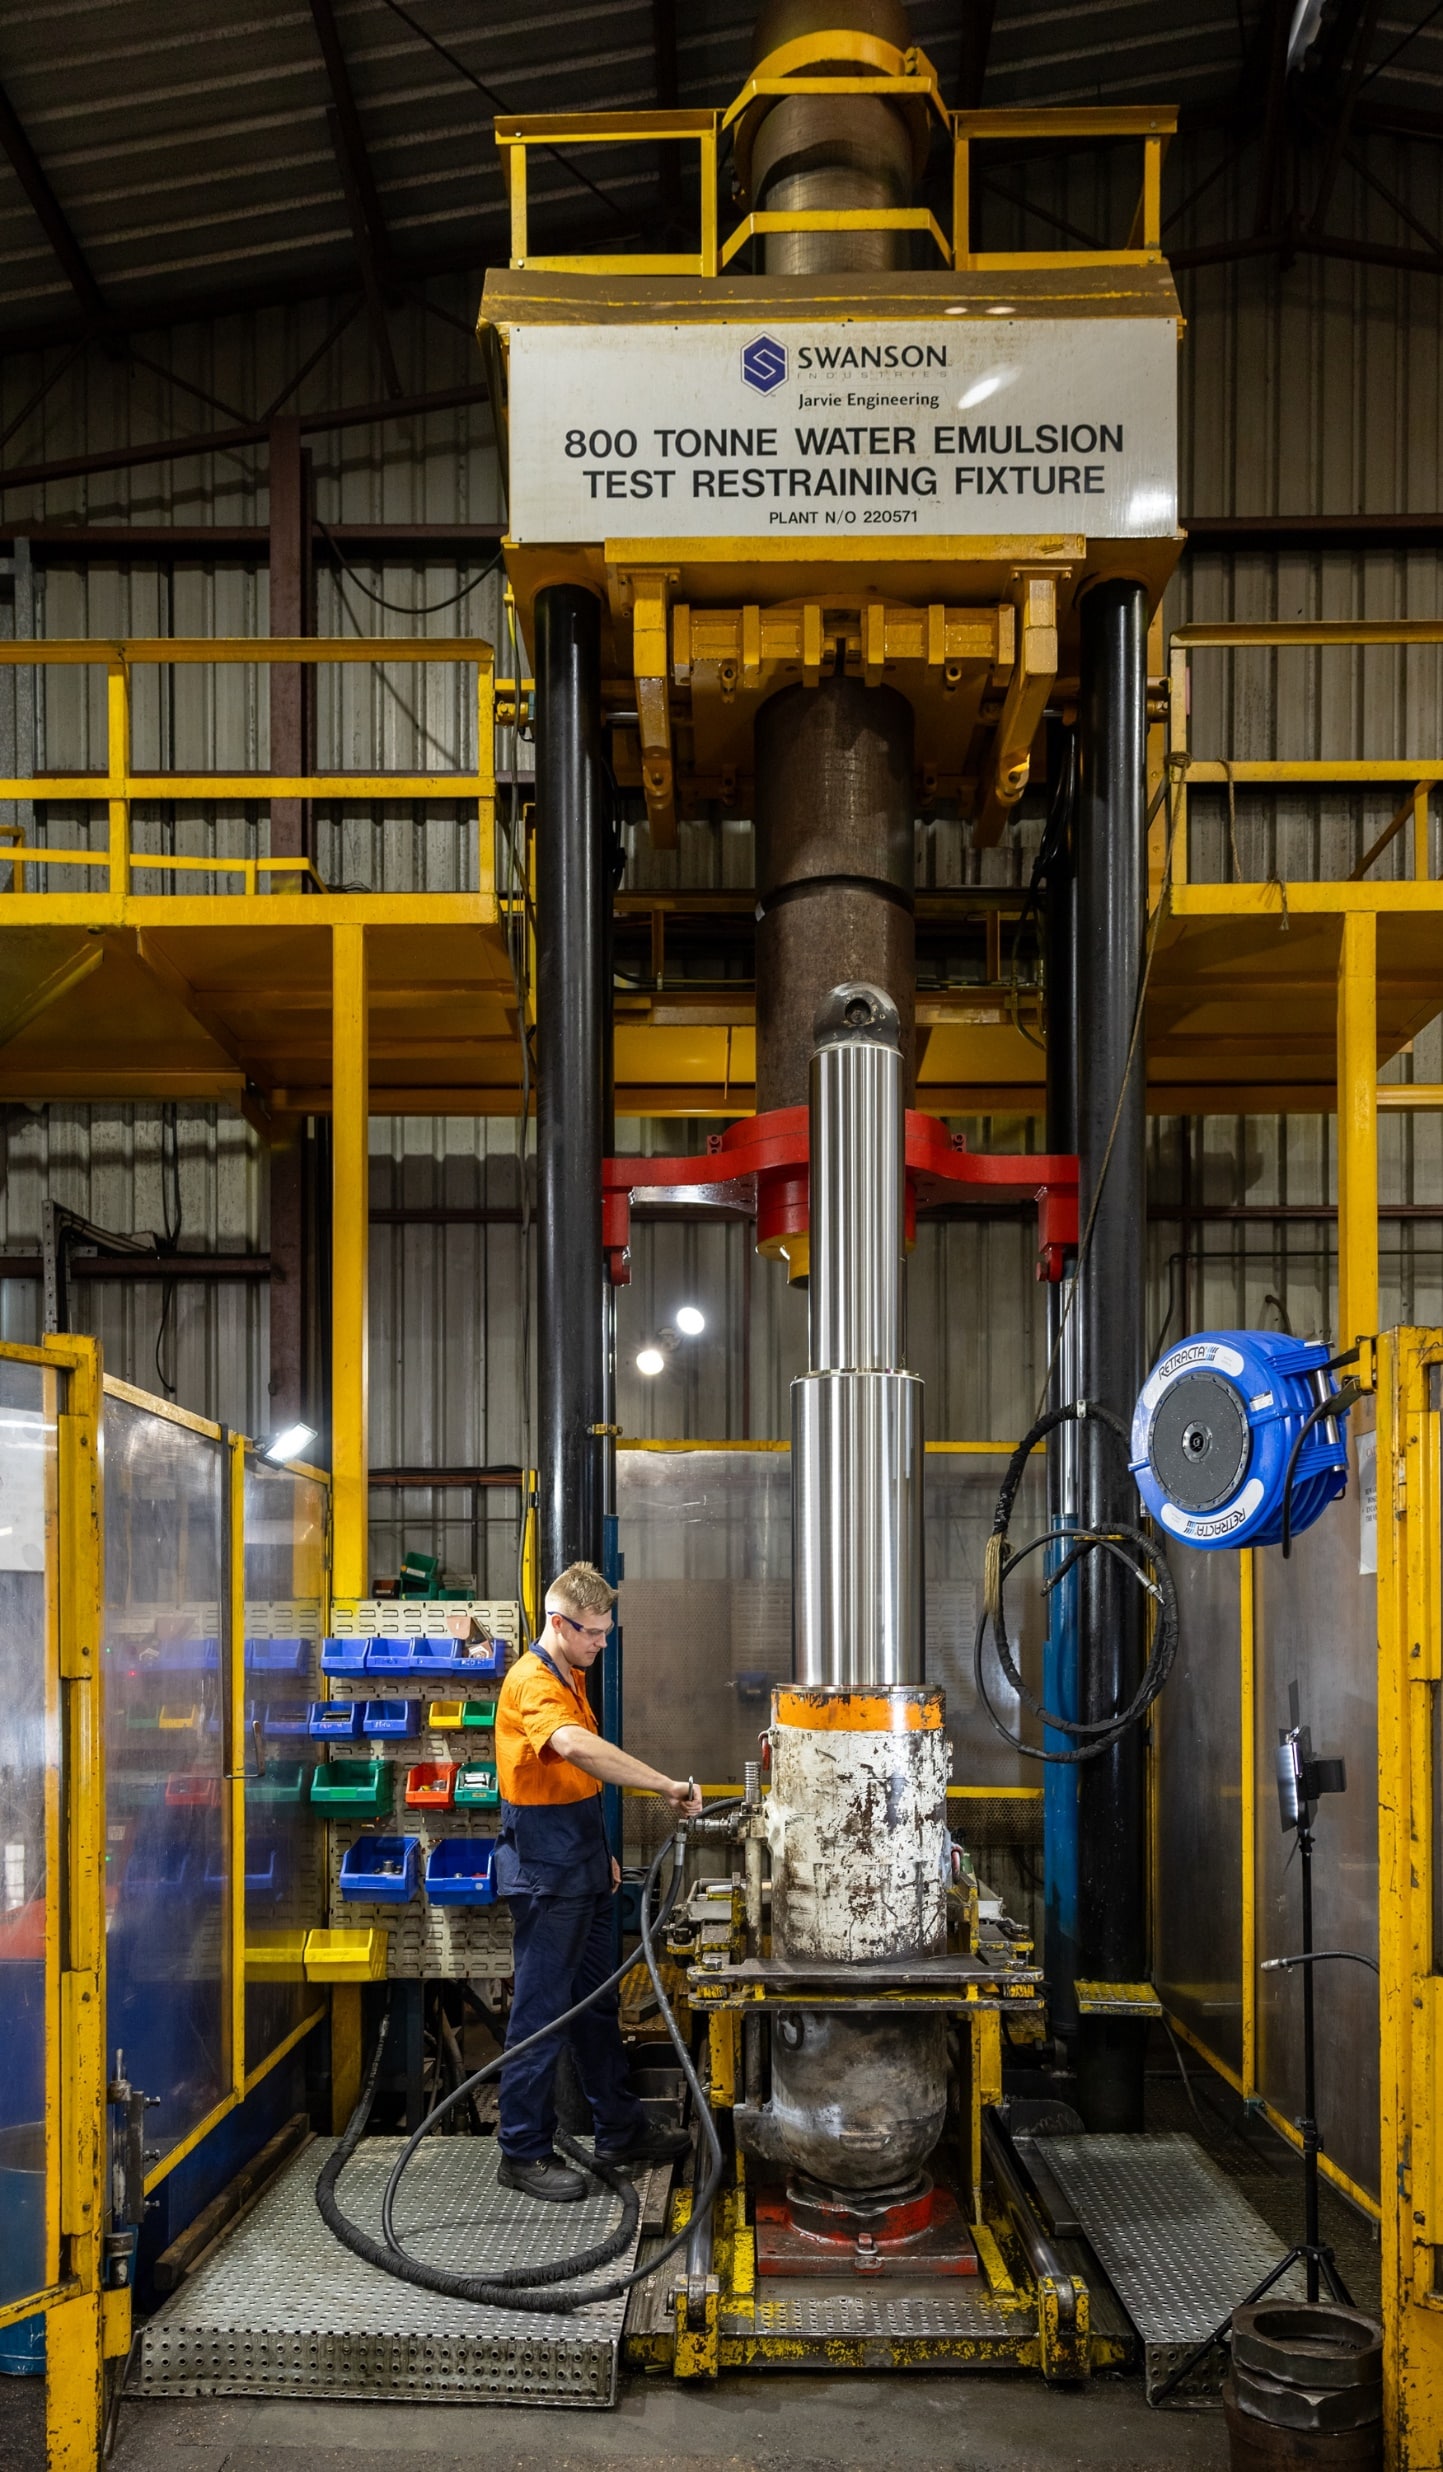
<point x="160" y="161"/>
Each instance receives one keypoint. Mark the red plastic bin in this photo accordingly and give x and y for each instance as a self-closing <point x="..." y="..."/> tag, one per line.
<point x="431" y="1785"/>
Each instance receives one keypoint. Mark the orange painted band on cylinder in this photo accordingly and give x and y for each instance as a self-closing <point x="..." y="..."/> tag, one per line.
<point x="909" y="1709"/>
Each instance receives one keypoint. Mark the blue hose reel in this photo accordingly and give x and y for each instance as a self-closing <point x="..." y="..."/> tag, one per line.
<point x="1215" y="1431"/>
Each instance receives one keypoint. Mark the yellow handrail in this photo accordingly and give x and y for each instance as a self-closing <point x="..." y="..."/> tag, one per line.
<point x="814" y="65"/>
<point x="121" y="784"/>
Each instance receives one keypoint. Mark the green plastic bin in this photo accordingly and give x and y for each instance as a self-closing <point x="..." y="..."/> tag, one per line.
<point x="359" y="1789"/>
<point x="284" y="1781"/>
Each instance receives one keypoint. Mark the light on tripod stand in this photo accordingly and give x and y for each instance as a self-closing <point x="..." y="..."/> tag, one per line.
<point x="1302" y="1780"/>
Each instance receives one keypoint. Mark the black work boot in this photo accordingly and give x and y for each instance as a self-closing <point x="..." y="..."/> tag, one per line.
<point x="544" y="2176"/>
<point x="650" y="2145"/>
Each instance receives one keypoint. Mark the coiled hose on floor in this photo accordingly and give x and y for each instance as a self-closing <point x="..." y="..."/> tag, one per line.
<point x="535" y="2287"/>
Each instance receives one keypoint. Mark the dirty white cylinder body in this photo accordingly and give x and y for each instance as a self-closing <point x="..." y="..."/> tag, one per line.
<point x="857" y="1825"/>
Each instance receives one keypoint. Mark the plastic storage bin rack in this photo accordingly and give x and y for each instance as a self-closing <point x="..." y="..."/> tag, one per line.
<point x="391" y="1720"/>
<point x="282" y="1781"/>
<point x="188" y="1656"/>
<point x="336" y="1720"/>
<point x="444" y="1660"/>
<point x="381" y="1870"/>
<point x="430" y="1786"/>
<point x="279" y="1717"/>
<point x="347" y="1955"/>
<point x="353" y="1789"/>
<point x="476" y="1786"/>
<point x="482" y="1657"/>
<point x="343" y="1656"/>
<point x="277" y="1656"/>
<point x="462" y="1871"/>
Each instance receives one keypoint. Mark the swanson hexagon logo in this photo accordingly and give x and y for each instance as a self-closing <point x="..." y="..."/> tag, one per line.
<point x="764" y="364"/>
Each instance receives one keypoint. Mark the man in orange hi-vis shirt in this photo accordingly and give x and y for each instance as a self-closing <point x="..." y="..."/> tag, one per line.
<point x="554" y="1868"/>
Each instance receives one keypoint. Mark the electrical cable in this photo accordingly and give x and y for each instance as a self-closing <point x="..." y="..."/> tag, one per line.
<point x="1167" y="788"/>
<point x="1139" y="1553"/>
<point x="403" y="609"/>
<point x="173" y="1219"/>
<point x="533" y="2288"/>
<point x="1320" y="1957"/>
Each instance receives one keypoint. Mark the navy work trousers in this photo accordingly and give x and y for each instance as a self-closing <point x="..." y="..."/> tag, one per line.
<point x="563" y="1948"/>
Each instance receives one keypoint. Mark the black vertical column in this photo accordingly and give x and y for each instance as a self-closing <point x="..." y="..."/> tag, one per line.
<point x="1111" y="926"/>
<point x="1059" y="1781"/>
<point x="573" y="902"/>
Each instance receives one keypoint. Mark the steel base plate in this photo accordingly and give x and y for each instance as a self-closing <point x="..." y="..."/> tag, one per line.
<point x="283" y="2310"/>
<point x="1176" y="2239"/>
<point x="940" y="2244"/>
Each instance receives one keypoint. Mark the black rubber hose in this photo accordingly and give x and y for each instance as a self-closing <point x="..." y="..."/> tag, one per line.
<point x="1139" y="1553"/>
<point x="1337" y="1403"/>
<point x="533" y="2288"/>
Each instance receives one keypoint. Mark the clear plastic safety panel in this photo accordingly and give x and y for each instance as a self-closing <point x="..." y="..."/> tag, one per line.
<point x="165" y="1684"/>
<point x="29" y="1766"/>
<point x="285" y="1551"/>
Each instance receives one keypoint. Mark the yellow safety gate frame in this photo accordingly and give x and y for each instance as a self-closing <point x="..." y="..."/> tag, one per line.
<point x="86" y="2324"/>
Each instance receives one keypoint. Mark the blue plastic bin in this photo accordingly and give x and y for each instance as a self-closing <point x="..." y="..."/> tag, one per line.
<point x="389" y="1720"/>
<point x="287" y="1717"/>
<point x="277" y="1656"/>
<point x="262" y="1867"/>
<point x="188" y="1656"/>
<point x="22" y="2242"/>
<point x="344" y="1656"/>
<point x="22" y="2348"/>
<point x="160" y="1870"/>
<point x="336" y="1720"/>
<point x="395" y="1656"/>
<point x="363" y="1878"/>
<point x="462" y="1871"/>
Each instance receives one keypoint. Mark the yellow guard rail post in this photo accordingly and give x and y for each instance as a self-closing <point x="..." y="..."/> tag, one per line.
<point x="1410" y="1673"/>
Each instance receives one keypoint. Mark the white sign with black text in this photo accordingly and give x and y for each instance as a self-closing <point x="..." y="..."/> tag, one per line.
<point x="1004" y="425"/>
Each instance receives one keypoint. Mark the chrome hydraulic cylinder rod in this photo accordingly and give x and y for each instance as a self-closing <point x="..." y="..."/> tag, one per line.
<point x="857" y="1413"/>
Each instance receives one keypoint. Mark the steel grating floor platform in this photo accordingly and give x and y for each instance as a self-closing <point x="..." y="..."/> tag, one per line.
<point x="281" y="2309"/>
<point x="1178" y="2242"/>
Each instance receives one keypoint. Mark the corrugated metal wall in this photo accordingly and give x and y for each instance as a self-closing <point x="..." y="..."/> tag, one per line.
<point x="1314" y="390"/>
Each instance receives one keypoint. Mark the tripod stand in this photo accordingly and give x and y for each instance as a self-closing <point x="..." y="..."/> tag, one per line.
<point x="1301" y="1780"/>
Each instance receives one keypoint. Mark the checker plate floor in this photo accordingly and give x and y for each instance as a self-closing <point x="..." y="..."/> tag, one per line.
<point x="281" y="2308"/>
<point x="1178" y="2242"/>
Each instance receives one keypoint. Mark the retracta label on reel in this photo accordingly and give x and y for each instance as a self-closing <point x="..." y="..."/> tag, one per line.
<point x="1215" y="1429"/>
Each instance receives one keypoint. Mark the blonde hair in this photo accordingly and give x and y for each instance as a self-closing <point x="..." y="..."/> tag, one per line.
<point x="581" y="1587"/>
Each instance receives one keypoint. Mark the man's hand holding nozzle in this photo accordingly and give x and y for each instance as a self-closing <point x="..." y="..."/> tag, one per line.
<point x="684" y="1796"/>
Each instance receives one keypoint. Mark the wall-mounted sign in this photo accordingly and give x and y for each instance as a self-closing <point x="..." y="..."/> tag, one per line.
<point x="1001" y="425"/>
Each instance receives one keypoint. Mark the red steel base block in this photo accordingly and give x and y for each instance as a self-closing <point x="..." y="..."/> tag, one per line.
<point x="922" y="2233"/>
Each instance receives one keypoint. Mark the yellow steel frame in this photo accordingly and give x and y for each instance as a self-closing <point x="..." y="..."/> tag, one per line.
<point x="812" y="65"/>
<point x="83" y="2325"/>
<point x="86" y="2324"/>
<point x="1358" y="903"/>
<point x="120" y="785"/>
<point x="551" y="129"/>
<point x="1410" y="1676"/>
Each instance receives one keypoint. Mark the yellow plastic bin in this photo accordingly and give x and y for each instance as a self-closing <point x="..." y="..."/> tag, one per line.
<point x="275" y="1957"/>
<point x="347" y="1956"/>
